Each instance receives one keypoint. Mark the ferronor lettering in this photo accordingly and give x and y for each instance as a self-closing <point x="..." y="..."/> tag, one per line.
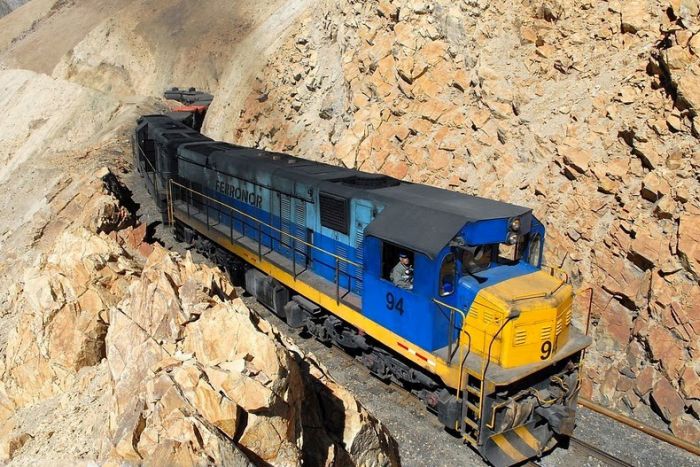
<point x="238" y="193"/>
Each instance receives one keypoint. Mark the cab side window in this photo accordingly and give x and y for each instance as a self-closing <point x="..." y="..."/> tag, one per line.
<point x="397" y="265"/>
<point x="446" y="282"/>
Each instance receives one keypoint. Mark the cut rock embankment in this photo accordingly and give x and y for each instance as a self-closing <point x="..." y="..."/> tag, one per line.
<point x="585" y="111"/>
<point x="180" y="369"/>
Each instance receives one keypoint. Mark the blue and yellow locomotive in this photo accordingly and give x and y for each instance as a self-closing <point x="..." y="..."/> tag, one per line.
<point x="476" y="328"/>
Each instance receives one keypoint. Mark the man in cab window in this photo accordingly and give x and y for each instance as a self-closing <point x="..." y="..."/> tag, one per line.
<point x="402" y="274"/>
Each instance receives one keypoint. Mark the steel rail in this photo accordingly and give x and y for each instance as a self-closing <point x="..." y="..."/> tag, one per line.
<point x="591" y="451"/>
<point x="598" y="453"/>
<point x="636" y="424"/>
<point x="624" y="419"/>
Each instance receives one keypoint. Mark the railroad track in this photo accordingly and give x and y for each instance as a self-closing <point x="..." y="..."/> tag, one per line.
<point x="586" y="450"/>
<point x="592" y="451"/>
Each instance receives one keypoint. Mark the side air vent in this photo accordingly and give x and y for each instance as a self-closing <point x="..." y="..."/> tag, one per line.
<point x="334" y="212"/>
<point x="546" y="333"/>
<point x="368" y="181"/>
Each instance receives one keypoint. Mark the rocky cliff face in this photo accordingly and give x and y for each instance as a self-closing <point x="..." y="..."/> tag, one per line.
<point x="112" y="349"/>
<point x="586" y="111"/>
<point x="174" y="367"/>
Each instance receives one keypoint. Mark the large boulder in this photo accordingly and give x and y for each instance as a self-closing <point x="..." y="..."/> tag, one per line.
<point x="62" y="302"/>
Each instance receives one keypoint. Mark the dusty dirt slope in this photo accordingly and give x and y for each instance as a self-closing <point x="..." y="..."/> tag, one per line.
<point x="6" y="6"/>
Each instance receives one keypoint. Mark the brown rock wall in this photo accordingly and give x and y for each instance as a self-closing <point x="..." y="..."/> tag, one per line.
<point x="584" y="111"/>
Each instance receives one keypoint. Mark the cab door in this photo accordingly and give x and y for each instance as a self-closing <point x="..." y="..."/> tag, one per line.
<point x="447" y="321"/>
<point x="406" y="312"/>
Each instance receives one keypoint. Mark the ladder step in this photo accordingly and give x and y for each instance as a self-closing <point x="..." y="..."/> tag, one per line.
<point x="473" y="390"/>
<point x="472" y="407"/>
<point x="469" y="439"/>
<point x="471" y="423"/>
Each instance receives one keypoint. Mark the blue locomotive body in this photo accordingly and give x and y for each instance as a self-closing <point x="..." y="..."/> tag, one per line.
<point x="292" y="200"/>
<point x="320" y="243"/>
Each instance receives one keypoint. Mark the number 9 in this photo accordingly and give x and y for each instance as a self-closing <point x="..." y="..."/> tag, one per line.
<point x="546" y="350"/>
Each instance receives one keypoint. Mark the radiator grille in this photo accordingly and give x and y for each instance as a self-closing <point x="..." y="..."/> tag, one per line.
<point x="359" y="259"/>
<point x="286" y="217"/>
<point x="342" y="251"/>
<point x="490" y="317"/>
<point x="300" y="230"/>
<point x="520" y="337"/>
<point x="334" y="212"/>
<point x="343" y="277"/>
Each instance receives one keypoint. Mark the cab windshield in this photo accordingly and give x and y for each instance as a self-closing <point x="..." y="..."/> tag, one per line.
<point x="478" y="258"/>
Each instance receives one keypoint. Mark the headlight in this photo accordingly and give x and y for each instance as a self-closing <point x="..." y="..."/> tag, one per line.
<point x="515" y="224"/>
<point x="512" y="238"/>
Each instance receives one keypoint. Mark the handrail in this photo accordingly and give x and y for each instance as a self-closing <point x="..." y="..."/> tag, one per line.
<point x="261" y="223"/>
<point x="486" y="362"/>
<point x="171" y="214"/>
<point x="153" y="171"/>
<point x="145" y="157"/>
<point x="553" y="269"/>
<point x="451" y="308"/>
<point x="462" y="360"/>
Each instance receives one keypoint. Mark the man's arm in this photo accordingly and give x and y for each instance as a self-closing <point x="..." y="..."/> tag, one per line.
<point x="395" y="275"/>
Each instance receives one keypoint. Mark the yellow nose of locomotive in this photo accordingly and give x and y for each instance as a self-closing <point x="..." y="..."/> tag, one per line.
<point x="540" y="309"/>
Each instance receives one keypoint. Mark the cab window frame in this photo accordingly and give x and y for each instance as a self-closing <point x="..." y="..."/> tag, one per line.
<point x="389" y="259"/>
<point x="535" y="240"/>
<point x="442" y="273"/>
<point x="487" y="249"/>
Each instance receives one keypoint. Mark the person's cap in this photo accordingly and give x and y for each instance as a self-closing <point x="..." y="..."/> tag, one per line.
<point x="403" y="255"/>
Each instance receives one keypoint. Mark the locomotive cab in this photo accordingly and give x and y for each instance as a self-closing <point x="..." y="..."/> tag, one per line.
<point x="517" y="320"/>
<point x="482" y="305"/>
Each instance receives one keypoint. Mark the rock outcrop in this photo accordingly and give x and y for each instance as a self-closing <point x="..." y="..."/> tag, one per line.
<point x="588" y="112"/>
<point x="198" y="378"/>
<point x="182" y="372"/>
